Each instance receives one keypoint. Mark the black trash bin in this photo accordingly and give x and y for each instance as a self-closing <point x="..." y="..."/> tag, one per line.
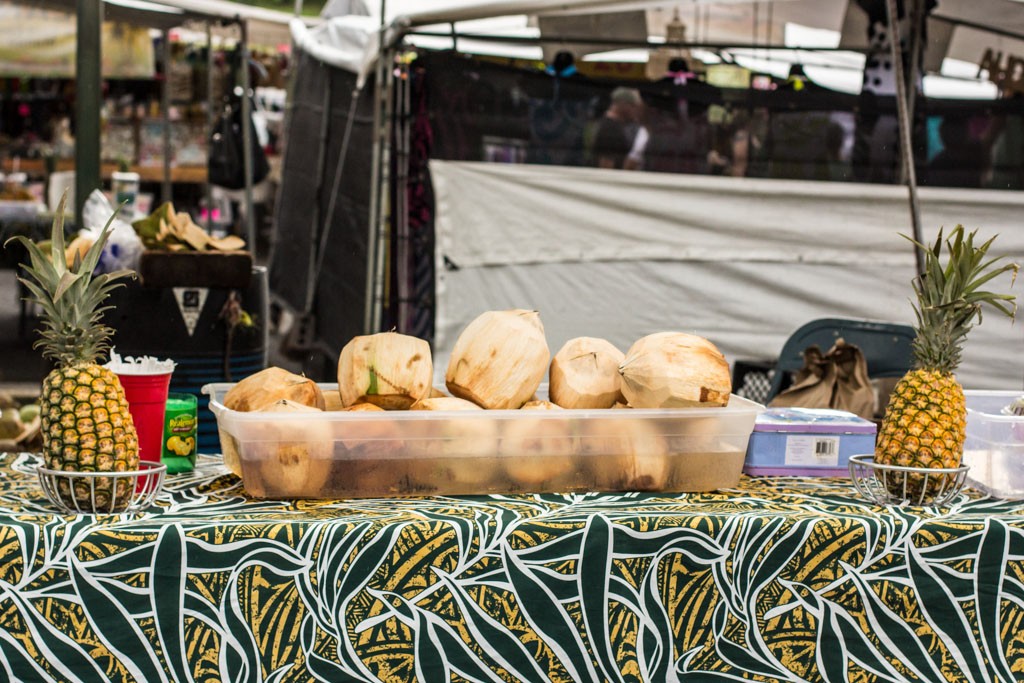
<point x="186" y="325"/>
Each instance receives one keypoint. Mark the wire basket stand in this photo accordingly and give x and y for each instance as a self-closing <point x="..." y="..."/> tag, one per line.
<point x="103" y="492"/>
<point x="896" y="485"/>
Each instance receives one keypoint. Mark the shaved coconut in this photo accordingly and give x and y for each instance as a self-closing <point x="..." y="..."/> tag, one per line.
<point x="675" y="370"/>
<point x="294" y="457"/>
<point x="585" y="374"/>
<point x="499" y="360"/>
<point x="539" y="451"/>
<point x="626" y="455"/>
<point x="390" y="370"/>
<point x="258" y="391"/>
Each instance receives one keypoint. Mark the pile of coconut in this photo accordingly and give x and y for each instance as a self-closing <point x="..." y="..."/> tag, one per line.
<point x="498" y="363"/>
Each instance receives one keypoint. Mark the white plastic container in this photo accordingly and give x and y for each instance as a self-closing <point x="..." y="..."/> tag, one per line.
<point x="994" y="448"/>
<point x="397" y="453"/>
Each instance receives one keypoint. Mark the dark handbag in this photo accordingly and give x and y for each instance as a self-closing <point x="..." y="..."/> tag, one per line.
<point x="837" y="379"/>
<point x="226" y="165"/>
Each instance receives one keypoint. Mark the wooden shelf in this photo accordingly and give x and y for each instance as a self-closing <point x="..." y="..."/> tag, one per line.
<point x="148" y="174"/>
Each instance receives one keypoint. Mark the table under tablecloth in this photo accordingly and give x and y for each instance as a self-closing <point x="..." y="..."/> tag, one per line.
<point x="785" y="579"/>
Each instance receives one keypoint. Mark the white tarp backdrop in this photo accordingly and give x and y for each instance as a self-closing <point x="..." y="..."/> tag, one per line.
<point x="743" y="262"/>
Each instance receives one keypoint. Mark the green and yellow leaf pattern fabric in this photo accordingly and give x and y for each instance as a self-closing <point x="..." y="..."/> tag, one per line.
<point x="779" y="580"/>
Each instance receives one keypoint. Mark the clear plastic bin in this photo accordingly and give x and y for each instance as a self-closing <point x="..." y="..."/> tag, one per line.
<point x="397" y="453"/>
<point x="994" y="448"/>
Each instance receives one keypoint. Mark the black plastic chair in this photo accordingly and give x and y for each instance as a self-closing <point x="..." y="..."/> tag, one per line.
<point x="886" y="347"/>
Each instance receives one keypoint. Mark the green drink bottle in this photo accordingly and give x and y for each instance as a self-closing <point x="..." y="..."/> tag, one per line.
<point x="180" y="422"/>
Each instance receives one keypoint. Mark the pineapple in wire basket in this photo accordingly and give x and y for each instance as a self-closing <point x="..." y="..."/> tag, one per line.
<point x="86" y="425"/>
<point x="925" y="422"/>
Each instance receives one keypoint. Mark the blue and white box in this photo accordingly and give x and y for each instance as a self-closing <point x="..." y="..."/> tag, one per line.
<point x="807" y="442"/>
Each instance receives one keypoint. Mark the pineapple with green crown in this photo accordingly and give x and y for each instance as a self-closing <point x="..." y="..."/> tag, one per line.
<point x="926" y="420"/>
<point x="86" y="425"/>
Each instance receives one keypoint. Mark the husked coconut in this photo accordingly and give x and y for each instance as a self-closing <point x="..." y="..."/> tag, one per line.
<point x="388" y="369"/>
<point x="656" y="339"/>
<point x="537" y="404"/>
<point x="499" y="360"/>
<point x="675" y="370"/>
<point x="444" y="403"/>
<point x="539" y="451"/>
<point x="294" y="456"/>
<point x="373" y="459"/>
<point x="332" y="401"/>
<point x="456" y="455"/>
<point x="229" y="452"/>
<point x="626" y="455"/>
<point x="585" y="374"/>
<point x="258" y="391"/>
<point x="362" y="408"/>
<point x="371" y="433"/>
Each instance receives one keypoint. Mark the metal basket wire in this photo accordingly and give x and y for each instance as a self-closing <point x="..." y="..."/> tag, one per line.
<point x="896" y="485"/>
<point x="103" y="492"/>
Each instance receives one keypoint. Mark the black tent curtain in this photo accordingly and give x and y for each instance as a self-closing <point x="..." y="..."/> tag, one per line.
<point x="319" y="269"/>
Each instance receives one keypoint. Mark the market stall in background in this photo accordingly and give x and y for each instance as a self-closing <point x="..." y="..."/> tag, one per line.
<point x="757" y="128"/>
<point x="176" y="84"/>
<point x="166" y="81"/>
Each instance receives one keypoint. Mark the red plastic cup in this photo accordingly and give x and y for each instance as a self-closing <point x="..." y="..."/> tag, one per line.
<point x="147" y="400"/>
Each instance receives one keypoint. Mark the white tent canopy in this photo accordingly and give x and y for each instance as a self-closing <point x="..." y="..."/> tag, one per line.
<point x="264" y="26"/>
<point x="998" y="16"/>
<point x="963" y="29"/>
<point x="956" y="40"/>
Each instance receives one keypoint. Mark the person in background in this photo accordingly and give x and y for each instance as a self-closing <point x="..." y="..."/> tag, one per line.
<point x="680" y="137"/>
<point x="618" y="141"/>
<point x="733" y="146"/>
<point x="963" y="160"/>
<point x="1006" y="134"/>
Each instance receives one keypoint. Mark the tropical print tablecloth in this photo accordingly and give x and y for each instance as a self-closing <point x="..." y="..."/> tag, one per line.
<point x="779" y="580"/>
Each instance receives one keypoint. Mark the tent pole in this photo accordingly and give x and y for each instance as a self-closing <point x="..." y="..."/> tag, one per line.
<point x="165" y="104"/>
<point x="902" y="110"/>
<point x="247" y="141"/>
<point x="384" y="241"/>
<point x="88" y="82"/>
<point x="373" y="229"/>
<point x="372" y="316"/>
<point x="208" y="189"/>
<point x="403" y="239"/>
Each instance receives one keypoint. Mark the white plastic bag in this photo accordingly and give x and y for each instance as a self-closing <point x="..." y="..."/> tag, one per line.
<point x="123" y="248"/>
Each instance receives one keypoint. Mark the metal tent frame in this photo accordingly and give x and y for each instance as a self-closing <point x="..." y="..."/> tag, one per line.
<point x="391" y="36"/>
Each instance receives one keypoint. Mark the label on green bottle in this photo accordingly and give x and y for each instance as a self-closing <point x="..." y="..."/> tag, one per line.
<point x="180" y="425"/>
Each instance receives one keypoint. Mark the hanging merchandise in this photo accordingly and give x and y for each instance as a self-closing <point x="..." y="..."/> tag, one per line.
<point x="227" y="141"/>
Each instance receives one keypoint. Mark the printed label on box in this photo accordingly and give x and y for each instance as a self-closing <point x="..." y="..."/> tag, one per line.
<point x="814" y="451"/>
